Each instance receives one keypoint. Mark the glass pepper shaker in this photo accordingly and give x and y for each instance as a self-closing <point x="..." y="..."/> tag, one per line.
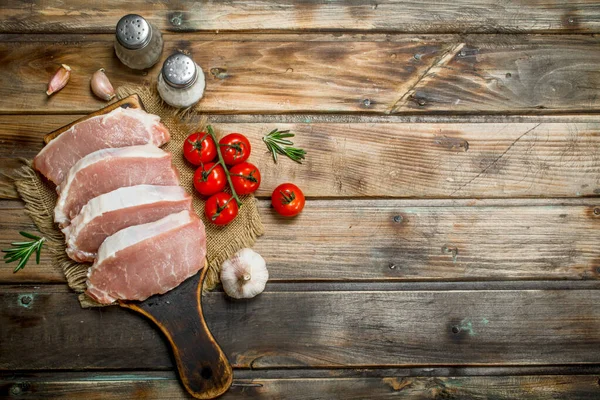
<point x="181" y="81"/>
<point x="138" y="44"/>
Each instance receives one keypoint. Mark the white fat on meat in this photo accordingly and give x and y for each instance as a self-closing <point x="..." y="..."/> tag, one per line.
<point x="119" y="128"/>
<point x="110" y="212"/>
<point x="143" y="260"/>
<point x="109" y="169"/>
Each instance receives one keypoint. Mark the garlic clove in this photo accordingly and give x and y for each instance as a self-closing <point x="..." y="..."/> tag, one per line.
<point x="244" y="275"/>
<point x="59" y="80"/>
<point x="101" y="85"/>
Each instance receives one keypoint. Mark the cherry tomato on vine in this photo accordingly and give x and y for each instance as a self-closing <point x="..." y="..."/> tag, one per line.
<point x="287" y="199"/>
<point x="221" y="208"/>
<point x="199" y="148"/>
<point x="235" y="148"/>
<point x="245" y="178"/>
<point x="209" y="179"/>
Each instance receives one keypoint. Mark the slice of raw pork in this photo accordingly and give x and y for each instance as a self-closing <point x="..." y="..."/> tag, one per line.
<point x="109" y="169"/>
<point x="120" y="128"/>
<point x="109" y="213"/>
<point x="140" y="261"/>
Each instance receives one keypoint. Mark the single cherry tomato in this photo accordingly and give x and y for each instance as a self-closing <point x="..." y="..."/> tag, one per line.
<point x="221" y="208"/>
<point x="209" y="179"/>
<point x="235" y="148"/>
<point x="199" y="148"/>
<point x="245" y="178"/>
<point x="287" y="199"/>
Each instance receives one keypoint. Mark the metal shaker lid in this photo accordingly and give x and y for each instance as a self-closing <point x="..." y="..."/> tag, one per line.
<point x="133" y="32"/>
<point x="179" y="71"/>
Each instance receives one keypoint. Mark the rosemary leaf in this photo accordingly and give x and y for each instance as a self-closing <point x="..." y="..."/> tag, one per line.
<point x="38" y="252"/>
<point x="29" y="236"/>
<point x="11" y="251"/>
<point x="19" y="243"/>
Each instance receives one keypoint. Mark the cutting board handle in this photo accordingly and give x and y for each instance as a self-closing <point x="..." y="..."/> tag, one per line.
<point x="203" y="367"/>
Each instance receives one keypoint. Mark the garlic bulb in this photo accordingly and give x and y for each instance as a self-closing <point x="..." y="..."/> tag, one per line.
<point x="244" y="275"/>
<point x="101" y="85"/>
<point x="59" y="80"/>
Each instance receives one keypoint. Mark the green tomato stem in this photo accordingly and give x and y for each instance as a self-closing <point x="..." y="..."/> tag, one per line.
<point x="211" y="132"/>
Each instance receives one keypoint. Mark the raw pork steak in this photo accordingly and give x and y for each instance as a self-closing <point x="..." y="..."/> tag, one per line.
<point x="109" y="213"/>
<point x="140" y="261"/>
<point x="106" y="170"/>
<point x="120" y="128"/>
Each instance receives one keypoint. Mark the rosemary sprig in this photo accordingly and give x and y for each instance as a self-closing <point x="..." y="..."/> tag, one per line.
<point x="277" y="142"/>
<point x="23" y="250"/>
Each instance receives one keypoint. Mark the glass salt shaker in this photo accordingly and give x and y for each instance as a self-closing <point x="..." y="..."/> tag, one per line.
<point x="181" y="81"/>
<point x="138" y="43"/>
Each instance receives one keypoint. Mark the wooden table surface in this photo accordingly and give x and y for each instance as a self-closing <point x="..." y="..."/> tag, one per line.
<point x="449" y="248"/>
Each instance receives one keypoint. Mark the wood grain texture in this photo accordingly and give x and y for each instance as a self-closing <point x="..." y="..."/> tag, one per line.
<point x="314" y="329"/>
<point x="408" y="240"/>
<point x="435" y="160"/>
<point x="503" y="73"/>
<point x="289" y="74"/>
<point x="164" y="385"/>
<point x="425" y="160"/>
<point x="327" y="73"/>
<point x="263" y="15"/>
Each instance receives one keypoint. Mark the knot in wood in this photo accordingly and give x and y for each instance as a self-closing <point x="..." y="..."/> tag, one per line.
<point x="219" y="73"/>
<point x="176" y="19"/>
<point x="15" y="390"/>
<point x="25" y="300"/>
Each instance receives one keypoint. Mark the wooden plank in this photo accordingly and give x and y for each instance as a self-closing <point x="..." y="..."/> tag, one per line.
<point x="435" y="160"/>
<point x="44" y="328"/>
<point x="498" y="74"/>
<point x="326" y="73"/>
<point x="244" y="75"/>
<point x="425" y="160"/>
<point x="385" y="15"/>
<point x="164" y="385"/>
<point x="410" y="240"/>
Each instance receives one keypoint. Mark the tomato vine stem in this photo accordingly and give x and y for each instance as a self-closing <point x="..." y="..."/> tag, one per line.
<point x="211" y="132"/>
<point x="220" y="209"/>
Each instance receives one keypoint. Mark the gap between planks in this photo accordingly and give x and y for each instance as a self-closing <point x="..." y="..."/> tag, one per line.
<point x="373" y="286"/>
<point x="314" y="372"/>
<point x="578" y="16"/>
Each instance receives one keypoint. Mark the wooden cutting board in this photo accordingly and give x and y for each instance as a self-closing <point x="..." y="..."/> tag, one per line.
<point x="203" y="367"/>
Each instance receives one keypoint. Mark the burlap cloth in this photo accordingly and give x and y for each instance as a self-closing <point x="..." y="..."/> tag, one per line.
<point x="222" y="242"/>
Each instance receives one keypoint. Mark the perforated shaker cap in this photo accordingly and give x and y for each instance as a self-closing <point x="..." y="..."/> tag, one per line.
<point x="179" y="71"/>
<point x="133" y="32"/>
